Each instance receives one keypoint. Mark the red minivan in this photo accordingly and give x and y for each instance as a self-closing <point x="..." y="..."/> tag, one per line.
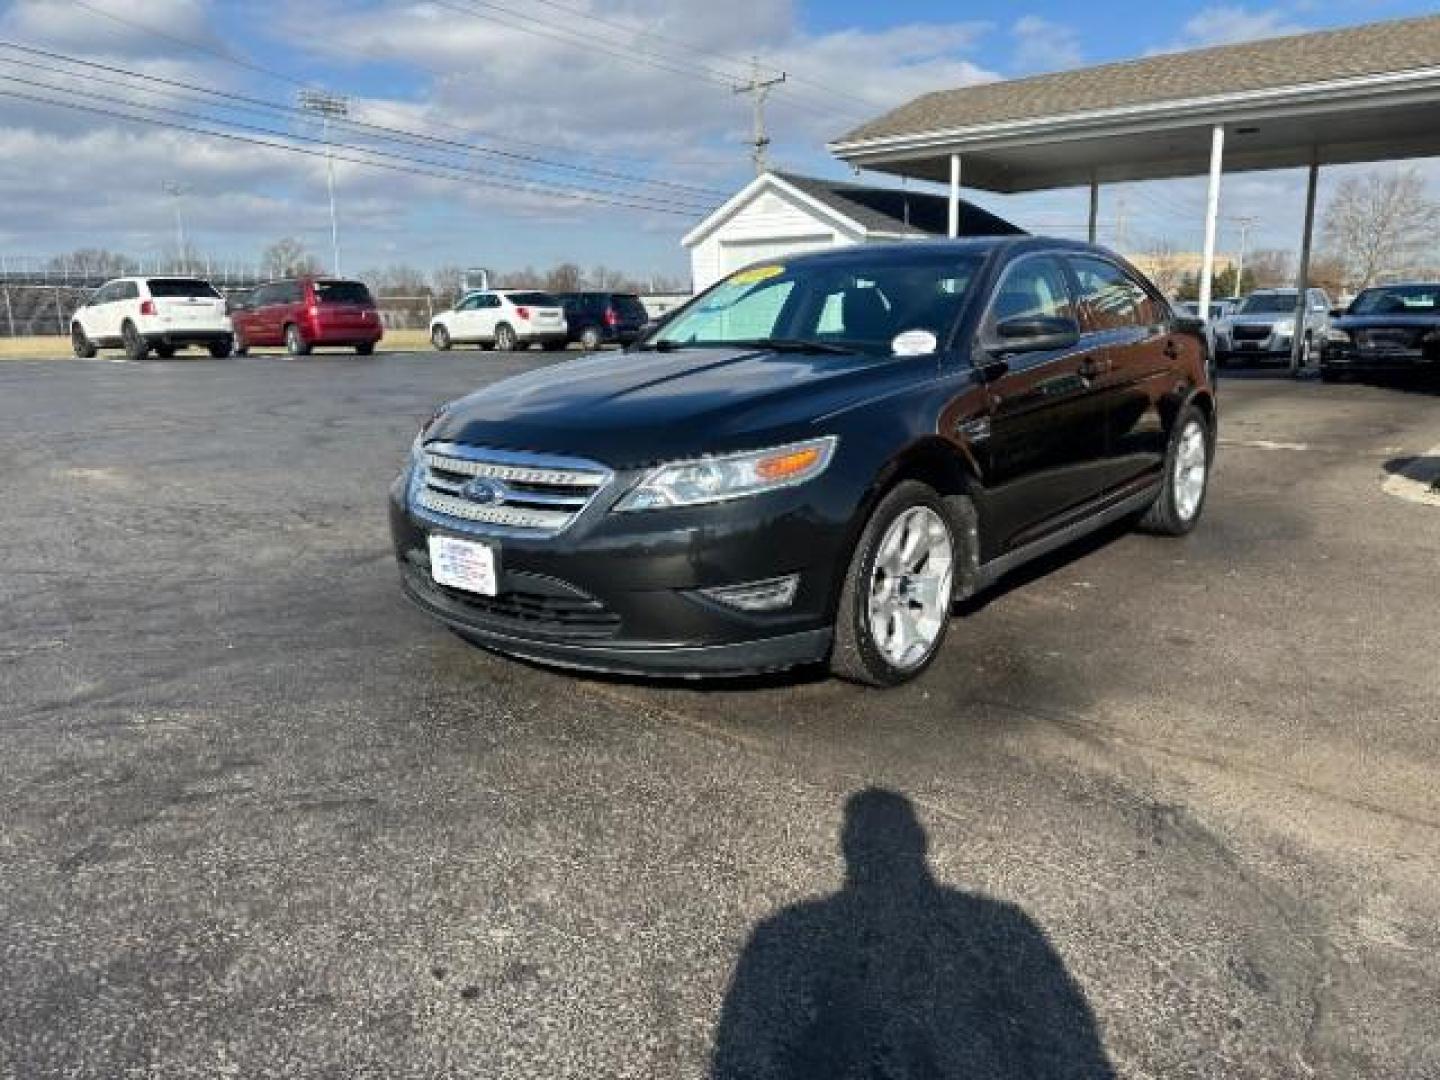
<point x="306" y="312"/>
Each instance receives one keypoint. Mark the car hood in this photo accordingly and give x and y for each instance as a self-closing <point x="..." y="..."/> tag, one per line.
<point x="636" y="408"/>
<point x="1393" y="322"/>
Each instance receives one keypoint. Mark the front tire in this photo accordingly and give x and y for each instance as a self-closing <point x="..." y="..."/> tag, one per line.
<point x="136" y="347"/>
<point x="894" y="607"/>
<point x="1186" y="477"/>
<point x="221" y="350"/>
<point x="440" y="337"/>
<point x="239" y="347"/>
<point x="295" y="343"/>
<point x="83" y="347"/>
<point x="505" y="339"/>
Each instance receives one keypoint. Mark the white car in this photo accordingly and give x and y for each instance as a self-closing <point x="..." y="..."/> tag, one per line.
<point x="160" y="313"/>
<point x="505" y="318"/>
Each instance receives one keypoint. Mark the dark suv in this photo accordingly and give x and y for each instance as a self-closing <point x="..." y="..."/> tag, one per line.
<point x="813" y="459"/>
<point x="603" y="318"/>
<point x="306" y="312"/>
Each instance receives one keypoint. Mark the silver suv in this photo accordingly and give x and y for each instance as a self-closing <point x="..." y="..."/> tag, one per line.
<point x="1263" y="328"/>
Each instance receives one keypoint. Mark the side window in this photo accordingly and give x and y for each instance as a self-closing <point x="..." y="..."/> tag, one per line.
<point x="1111" y="300"/>
<point x="293" y="293"/>
<point x="129" y="291"/>
<point x="261" y="296"/>
<point x="104" y="295"/>
<point x="470" y="303"/>
<point x="490" y="300"/>
<point x="1034" y="287"/>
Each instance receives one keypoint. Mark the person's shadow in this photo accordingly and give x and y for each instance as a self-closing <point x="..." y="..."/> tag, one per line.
<point x="897" y="976"/>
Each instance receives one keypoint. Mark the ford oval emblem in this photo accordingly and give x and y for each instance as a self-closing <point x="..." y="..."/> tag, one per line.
<point x="483" y="491"/>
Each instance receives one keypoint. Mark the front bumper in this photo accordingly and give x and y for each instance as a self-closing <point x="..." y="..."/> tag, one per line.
<point x="621" y="592"/>
<point x="1273" y="347"/>
<point x="1350" y="358"/>
<point x="531" y="335"/>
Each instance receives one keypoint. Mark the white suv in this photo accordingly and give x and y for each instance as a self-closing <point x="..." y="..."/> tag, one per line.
<point x="505" y="318"/>
<point x="161" y="313"/>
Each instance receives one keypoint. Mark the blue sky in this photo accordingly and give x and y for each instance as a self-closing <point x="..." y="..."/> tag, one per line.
<point x="589" y="130"/>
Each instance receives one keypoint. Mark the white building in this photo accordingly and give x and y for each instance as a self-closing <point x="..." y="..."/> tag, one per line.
<point x="780" y="214"/>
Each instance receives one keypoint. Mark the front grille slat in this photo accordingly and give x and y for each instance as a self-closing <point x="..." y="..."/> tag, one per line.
<point x="527" y="494"/>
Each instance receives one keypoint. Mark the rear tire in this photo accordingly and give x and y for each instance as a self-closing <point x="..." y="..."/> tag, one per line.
<point x="1185" y="480"/>
<point x="221" y="350"/>
<point x="165" y="352"/>
<point x="84" y="348"/>
<point x="240" y="346"/>
<point x="295" y="343"/>
<point x="590" y="339"/>
<point x="367" y="349"/>
<point x="440" y="337"/>
<point x="1330" y="375"/>
<point x="894" y="608"/>
<point x="136" y="347"/>
<point x="505" y="339"/>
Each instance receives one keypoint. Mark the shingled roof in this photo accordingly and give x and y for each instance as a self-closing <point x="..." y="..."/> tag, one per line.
<point x="1258" y="66"/>
<point x="896" y="210"/>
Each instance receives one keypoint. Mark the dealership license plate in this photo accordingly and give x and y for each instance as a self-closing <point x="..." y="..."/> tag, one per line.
<point x="464" y="564"/>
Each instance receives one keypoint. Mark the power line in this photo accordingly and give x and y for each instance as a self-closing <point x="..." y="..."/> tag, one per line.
<point x="411" y="166"/>
<point x="358" y="125"/>
<point x="293" y="81"/>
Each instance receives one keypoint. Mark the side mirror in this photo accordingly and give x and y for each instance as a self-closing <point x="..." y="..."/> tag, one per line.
<point x="1337" y="312"/>
<point x="1035" y="333"/>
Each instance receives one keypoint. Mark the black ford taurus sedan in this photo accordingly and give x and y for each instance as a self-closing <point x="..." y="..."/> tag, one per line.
<point x="812" y="460"/>
<point x="1390" y="328"/>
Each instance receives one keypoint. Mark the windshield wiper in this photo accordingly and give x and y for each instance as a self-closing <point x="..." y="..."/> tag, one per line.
<point x="794" y="345"/>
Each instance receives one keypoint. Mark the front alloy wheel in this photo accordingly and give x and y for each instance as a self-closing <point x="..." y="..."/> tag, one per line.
<point x="440" y="337"/>
<point x="1186" y="479"/>
<point x="505" y="339"/>
<point x="895" y="606"/>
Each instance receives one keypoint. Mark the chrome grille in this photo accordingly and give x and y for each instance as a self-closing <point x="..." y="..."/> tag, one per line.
<point x="532" y="494"/>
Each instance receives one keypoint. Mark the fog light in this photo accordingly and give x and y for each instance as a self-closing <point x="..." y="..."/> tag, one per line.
<point x="770" y="595"/>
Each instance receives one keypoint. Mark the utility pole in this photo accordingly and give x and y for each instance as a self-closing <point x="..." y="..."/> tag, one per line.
<point x="328" y="107"/>
<point x="1245" y="223"/>
<point x="1122" y="234"/>
<point x="178" y="192"/>
<point x="759" y="88"/>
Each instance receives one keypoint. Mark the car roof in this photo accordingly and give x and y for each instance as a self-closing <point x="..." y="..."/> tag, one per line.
<point x="898" y="250"/>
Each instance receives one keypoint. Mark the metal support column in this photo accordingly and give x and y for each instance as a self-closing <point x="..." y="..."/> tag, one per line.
<point x="1302" y="278"/>
<point x="954" y="195"/>
<point x="1212" y="216"/>
<point x="1094" y="208"/>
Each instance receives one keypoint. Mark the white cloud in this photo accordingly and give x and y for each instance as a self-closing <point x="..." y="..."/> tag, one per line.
<point x="1229" y="24"/>
<point x="1044" y="45"/>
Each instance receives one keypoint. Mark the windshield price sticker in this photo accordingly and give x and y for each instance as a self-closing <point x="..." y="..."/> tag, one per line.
<point x="756" y="274"/>
<point x="914" y="343"/>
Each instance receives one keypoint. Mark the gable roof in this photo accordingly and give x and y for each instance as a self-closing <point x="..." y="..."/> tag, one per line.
<point x="1258" y="66"/>
<point x="873" y="211"/>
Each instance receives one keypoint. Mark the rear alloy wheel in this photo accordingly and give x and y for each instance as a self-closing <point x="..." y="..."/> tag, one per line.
<point x="1186" y="478"/>
<point x="136" y="347"/>
<point x="295" y="342"/>
<point x="590" y="339"/>
<point x="505" y="339"/>
<point x="895" y="605"/>
<point x="83" y="346"/>
<point x="440" y="337"/>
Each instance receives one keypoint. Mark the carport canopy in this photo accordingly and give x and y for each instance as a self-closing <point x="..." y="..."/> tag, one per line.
<point x="1361" y="94"/>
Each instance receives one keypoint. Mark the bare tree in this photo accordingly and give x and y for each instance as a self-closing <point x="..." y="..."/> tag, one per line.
<point x="1162" y="262"/>
<point x="1381" y="223"/>
<point x="288" y="258"/>
<point x="448" y="281"/>
<point x="1271" y="268"/>
<point x="398" y="280"/>
<point x="94" y="262"/>
<point x="564" y="277"/>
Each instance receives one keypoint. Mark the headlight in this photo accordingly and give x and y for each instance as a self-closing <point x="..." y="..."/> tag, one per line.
<point x="1285" y="326"/>
<point x="1338" y="336"/>
<point x="733" y="476"/>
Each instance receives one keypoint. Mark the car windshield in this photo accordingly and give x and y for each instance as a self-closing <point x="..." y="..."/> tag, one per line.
<point x="342" y="292"/>
<point x="181" y="288"/>
<point x="1268" y="304"/>
<point x="533" y="299"/>
<point x="1398" y="300"/>
<point x="857" y="304"/>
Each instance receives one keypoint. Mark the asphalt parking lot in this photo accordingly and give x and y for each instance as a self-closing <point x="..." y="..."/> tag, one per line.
<point x="258" y="817"/>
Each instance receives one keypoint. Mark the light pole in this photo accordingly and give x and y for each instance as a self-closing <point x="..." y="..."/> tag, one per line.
<point x="328" y="106"/>
<point x="1246" y="223"/>
<point x="177" y="192"/>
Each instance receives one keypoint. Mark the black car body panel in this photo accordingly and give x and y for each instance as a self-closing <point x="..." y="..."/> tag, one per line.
<point x="1044" y="444"/>
<point x="609" y="317"/>
<point x="1386" y="343"/>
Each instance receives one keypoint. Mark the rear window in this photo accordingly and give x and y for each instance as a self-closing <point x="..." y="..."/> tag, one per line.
<point x="533" y="299"/>
<point x="181" y="288"/>
<point x="628" y="306"/>
<point x="342" y="292"/>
